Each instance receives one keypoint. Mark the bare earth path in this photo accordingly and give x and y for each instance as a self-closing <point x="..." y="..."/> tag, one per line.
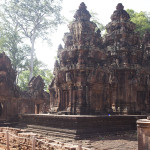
<point x="114" y="141"/>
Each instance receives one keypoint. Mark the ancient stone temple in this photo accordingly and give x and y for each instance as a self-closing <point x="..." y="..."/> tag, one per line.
<point x="14" y="101"/>
<point x="129" y="75"/>
<point x="95" y="75"/>
<point x="35" y="100"/>
<point x="9" y="92"/>
<point x="38" y="95"/>
<point x="79" y="76"/>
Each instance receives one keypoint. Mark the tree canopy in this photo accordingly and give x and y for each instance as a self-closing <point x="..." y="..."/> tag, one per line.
<point x="22" y="21"/>
<point x="141" y="19"/>
<point x="33" y="18"/>
<point x="39" y="69"/>
<point x="12" y="44"/>
<point x="94" y="18"/>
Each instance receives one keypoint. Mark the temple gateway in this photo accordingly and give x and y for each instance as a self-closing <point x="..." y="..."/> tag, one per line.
<point x="102" y="75"/>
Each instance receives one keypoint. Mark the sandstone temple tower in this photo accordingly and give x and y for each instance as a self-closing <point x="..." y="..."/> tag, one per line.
<point x="95" y="75"/>
<point x="124" y="58"/>
<point x="78" y="73"/>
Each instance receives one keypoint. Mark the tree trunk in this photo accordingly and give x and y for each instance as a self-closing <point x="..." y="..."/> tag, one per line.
<point x="32" y="59"/>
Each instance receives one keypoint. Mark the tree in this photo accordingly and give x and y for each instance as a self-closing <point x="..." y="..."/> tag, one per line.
<point x="23" y="80"/>
<point x="35" y="19"/>
<point x="11" y="43"/>
<point x="39" y="69"/>
<point x="94" y="18"/>
<point x="141" y="19"/>
<point x="13" y="47"/>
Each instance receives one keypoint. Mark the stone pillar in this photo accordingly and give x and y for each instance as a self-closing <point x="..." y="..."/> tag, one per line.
<point x="79" y="100"/>
<point x="74" y="101"/>
<point x="51" y="99"/>
<point x="143" y="131"/>
<point x="87" y="96"/>
<point x="69" y="109"/>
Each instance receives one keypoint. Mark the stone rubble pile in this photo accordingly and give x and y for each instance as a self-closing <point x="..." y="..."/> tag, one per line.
<point x="20" y="139"/>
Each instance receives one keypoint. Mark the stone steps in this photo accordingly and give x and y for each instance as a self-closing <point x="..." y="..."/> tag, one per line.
<point x="7" y="124"/>
<point x="49" y="131"/>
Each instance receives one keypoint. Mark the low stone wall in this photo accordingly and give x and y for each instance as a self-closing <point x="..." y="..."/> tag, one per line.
<point x="143" y="130"/>
<point x="81" y="126"/>
<point x="19" y="139"/>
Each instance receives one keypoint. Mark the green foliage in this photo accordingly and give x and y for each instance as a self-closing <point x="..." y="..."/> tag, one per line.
<point x="23" y="80"/>
<point x="39" y="69"/>
<point x="94" y="18"/>
<point x="141" y="19"/>
<point x="22" y="20"/>
<point x="47" y="76"/>
<point x="11" y="43"/>
<point x="34" y="19"/>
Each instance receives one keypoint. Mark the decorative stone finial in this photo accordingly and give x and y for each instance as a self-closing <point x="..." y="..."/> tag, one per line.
<point x="82" y="6"/>
<point x="98" y="32"/>
<point x="119" y="6"/>
<point x="60" y="47"/>
<point x="56" y="63"/>
<point x="82" y="13"/>
<point x="120" y="13"/>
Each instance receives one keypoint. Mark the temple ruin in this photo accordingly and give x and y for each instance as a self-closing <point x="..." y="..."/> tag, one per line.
<point x="14" y="101"/>
<point x="96" y="81"/>
<point x="102" y="75"/>
<point x="93" y="74"/>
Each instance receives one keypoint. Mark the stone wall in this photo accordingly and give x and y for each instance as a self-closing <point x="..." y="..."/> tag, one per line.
<point x="80" y="126"/>
<point x="13" y="100"/>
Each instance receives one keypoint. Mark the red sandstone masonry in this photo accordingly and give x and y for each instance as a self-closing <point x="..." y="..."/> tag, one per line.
<point x="95" y="75"/>
<point x="143" y="130"/>
<point x="19" y="139"/>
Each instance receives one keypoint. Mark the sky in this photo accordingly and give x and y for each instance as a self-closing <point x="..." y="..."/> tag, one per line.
<point x="104" y="9"/>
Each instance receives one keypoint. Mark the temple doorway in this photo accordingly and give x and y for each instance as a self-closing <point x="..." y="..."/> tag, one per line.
<point x="141" y="98"/>
<point x="1" y="109"/>
<point x="37" y="108"/>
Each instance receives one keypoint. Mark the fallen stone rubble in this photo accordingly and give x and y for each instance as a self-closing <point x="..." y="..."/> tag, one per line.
<point x="20" y="139"/>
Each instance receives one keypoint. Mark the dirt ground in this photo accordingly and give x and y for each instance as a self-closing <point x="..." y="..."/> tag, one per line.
<point x="114" y="141"/>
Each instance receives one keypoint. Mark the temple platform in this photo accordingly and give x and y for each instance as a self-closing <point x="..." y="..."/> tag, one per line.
<point x="78" y="126"/>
